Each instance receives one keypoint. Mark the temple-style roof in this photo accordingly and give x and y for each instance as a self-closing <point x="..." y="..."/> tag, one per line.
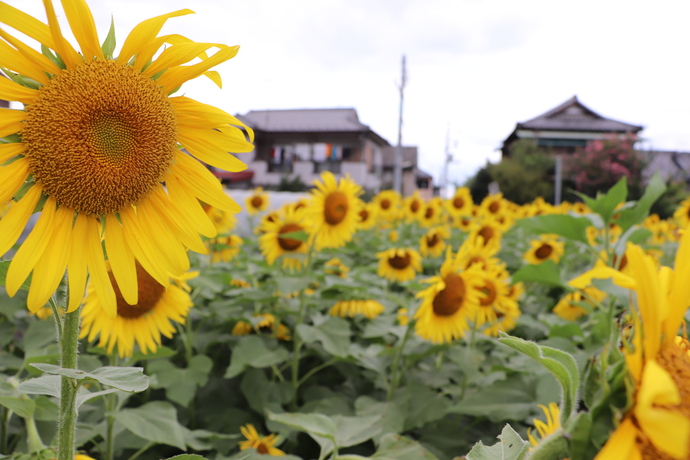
<point x="570" y="125"/>
<point x="573" y="115"/>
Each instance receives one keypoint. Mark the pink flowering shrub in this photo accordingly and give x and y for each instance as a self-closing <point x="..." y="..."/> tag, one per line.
<point x="604" y="162"/>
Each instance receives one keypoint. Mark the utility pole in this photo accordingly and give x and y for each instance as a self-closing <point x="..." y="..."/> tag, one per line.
<point x="397" y="171"/>
<point x="446" y="165"/>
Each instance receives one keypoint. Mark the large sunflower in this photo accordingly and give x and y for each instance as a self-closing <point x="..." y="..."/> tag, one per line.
<point x="144" y="322"/>
<point x="658" y="424"/>
<point x="96" y="147"/>
<point x="448" y="304"/>
<point x="399" y="264"/>
<point x="274" y="245"/>
<point x="334" y="210"/>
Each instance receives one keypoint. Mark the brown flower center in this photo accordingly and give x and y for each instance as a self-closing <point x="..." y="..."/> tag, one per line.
<point x="400" y="262"/>
<point x="150" y="292"/>
<point x="488" y="294"/>
<point x="414" y="206"/>
<point x="432" y="240"/>
<point x="451" y="297"/>
<point x="99" y="137"/>
<point x="261" y="448"/>
<point x="429" y="213"/>
<point x="458" y="203"/>
<point x="363" y="215"/>
<point x="257" y="201"/>
<point x="623" y="262"/>
<point x="385" y="204"/>
<point x="289" y="244"/>
<point x="544" y="251"/>
<point x="487" y="233"/>
<point x="335" y="207"/>
<point x="494" y="207"/>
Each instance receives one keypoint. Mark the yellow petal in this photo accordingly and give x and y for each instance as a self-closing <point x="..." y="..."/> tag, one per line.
<point x="10" y="150"/>
<point x="176" y="221"/>
<point x="11" y="91"/>
<point x="68" y="54"/>
<point x="147" y="255"/>
<point x="13" y="177"/>
<point x="83" y="27"/>
<point x="212" y="148"/>
<point x="97" y="268"/>
<point x="31" y="250"/>
<point x="13" y="223"/>
<point x="76" y="263"/>
<point x="15" y="61"/>
<point x="144" y="33"/>
<point x="177" y="55"/>
<point x="214" y="76"/>
<point x="175" y="77"/>
<point x="50" y="269"/>
<point x="202" y="183"/>
<point x="158" y="235"/>
<point x="25" y="24"/>
<point x="121" y="260"/>
<point x="184" y="200"/>
<point x="621" y="444"/>
<point x="602" y="273"/>
<point x="188" y="110"/>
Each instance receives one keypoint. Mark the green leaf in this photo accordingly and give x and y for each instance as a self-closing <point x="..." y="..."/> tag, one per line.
<point x="187" y="457"/>
<point x="636" y="236"/>
<point x="395" y="447"/>
<point x="4" y="266"/>
<point x="574" y="228"/>
<point x="639" y="212"/>
<point x="579" y="434"/>
<point x="109" y="43"/>
<point x="510" y="447"/>
<point x="181" y="384"/>
<point x="320" y="427"/>
<point x="546" y="273"/>
<point x="130" y="379"/>
<point x="351" y="431"/>
<point x="24" y="407"/>
<point x="46" y="409"/>
<point x="260" y="392"/>
<point x="154" y="421"/>
<point x="51" y="384"/>
<point x="290" y="284"/>
<point x="561" y="364"/>
<point x="161" y="352"/>
<point x="299" y="236"/>
<point x="501" y="401"/>
<point x="251" y="351"/>
<point x="333" y="334"/>
<point x="38" y="336"/>
<point x="605" y="205"/>
<point x="392" y="415"/>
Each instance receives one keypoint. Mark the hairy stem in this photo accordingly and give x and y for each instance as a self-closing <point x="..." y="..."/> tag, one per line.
<point x="69" y="343"/>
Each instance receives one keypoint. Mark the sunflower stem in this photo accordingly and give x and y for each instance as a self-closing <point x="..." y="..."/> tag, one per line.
<point x="109" y="409"/>
<point x="395" y="366"/>
<point x="69" y="344"/>
<point x="56" y="316"/>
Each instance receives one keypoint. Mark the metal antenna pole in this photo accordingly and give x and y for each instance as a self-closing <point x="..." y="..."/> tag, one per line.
<point x="397" y="171"/>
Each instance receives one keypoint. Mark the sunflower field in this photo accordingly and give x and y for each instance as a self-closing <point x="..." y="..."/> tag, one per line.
<point x="138" y="320"/>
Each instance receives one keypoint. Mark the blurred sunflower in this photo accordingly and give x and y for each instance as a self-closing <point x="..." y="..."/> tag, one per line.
<point x="545" y="429"/>
<point x="413" y="206"/>
<point x="433" y="242"/>
<point x="236" y="282"/>
<point x="265" y="323"/>
<point x="431" y="215"/>
<point x="403" y="316"/>
<point x="473" y="251"/>
<point x="273" y="245"/>
<point x="486" y="233"/>
<point x="464" y="223"/>
<point x="493" y="205"/>
<point x="448" y="304"/>
<point x="268" y="218"/>
<point x="494" y="300"/>
<point x="352" y="308"/>
<point x="144" y="322"/>
<point x="547" y="247"/>
<point x="224" y="248"/>
<point x="393" y="236"/>
<point x="682" y="213"/>
<point x="262" y="444"/>
<point x="336" y="267"/>
<point x="387" y="203"/>
<point x="367" y="216"/>
<point x="334" y="210"/>
<point x="461" y="203"/>
<point x="658" y="423"/>
<point x="399" y="264"/>
<point x="96" y="147"/>
<point x="579" y="303"/>
<point x="223" y="221"/>
<point x="256" y="202"/>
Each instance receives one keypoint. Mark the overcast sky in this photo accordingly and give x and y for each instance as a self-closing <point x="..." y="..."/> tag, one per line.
<point x="475" y="68"/>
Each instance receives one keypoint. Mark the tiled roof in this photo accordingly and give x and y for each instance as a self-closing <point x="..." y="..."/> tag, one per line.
<point x="572" y="115"/>
<point x="670" y="165"/>
<point x="304" y="120"/>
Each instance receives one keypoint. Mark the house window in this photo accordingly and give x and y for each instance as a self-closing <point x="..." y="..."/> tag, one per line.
<point x="282" y="157"/>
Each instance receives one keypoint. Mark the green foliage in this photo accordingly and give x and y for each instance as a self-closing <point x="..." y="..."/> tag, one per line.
<point x="292" y="184"/>
<point x="510" y="447"/>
